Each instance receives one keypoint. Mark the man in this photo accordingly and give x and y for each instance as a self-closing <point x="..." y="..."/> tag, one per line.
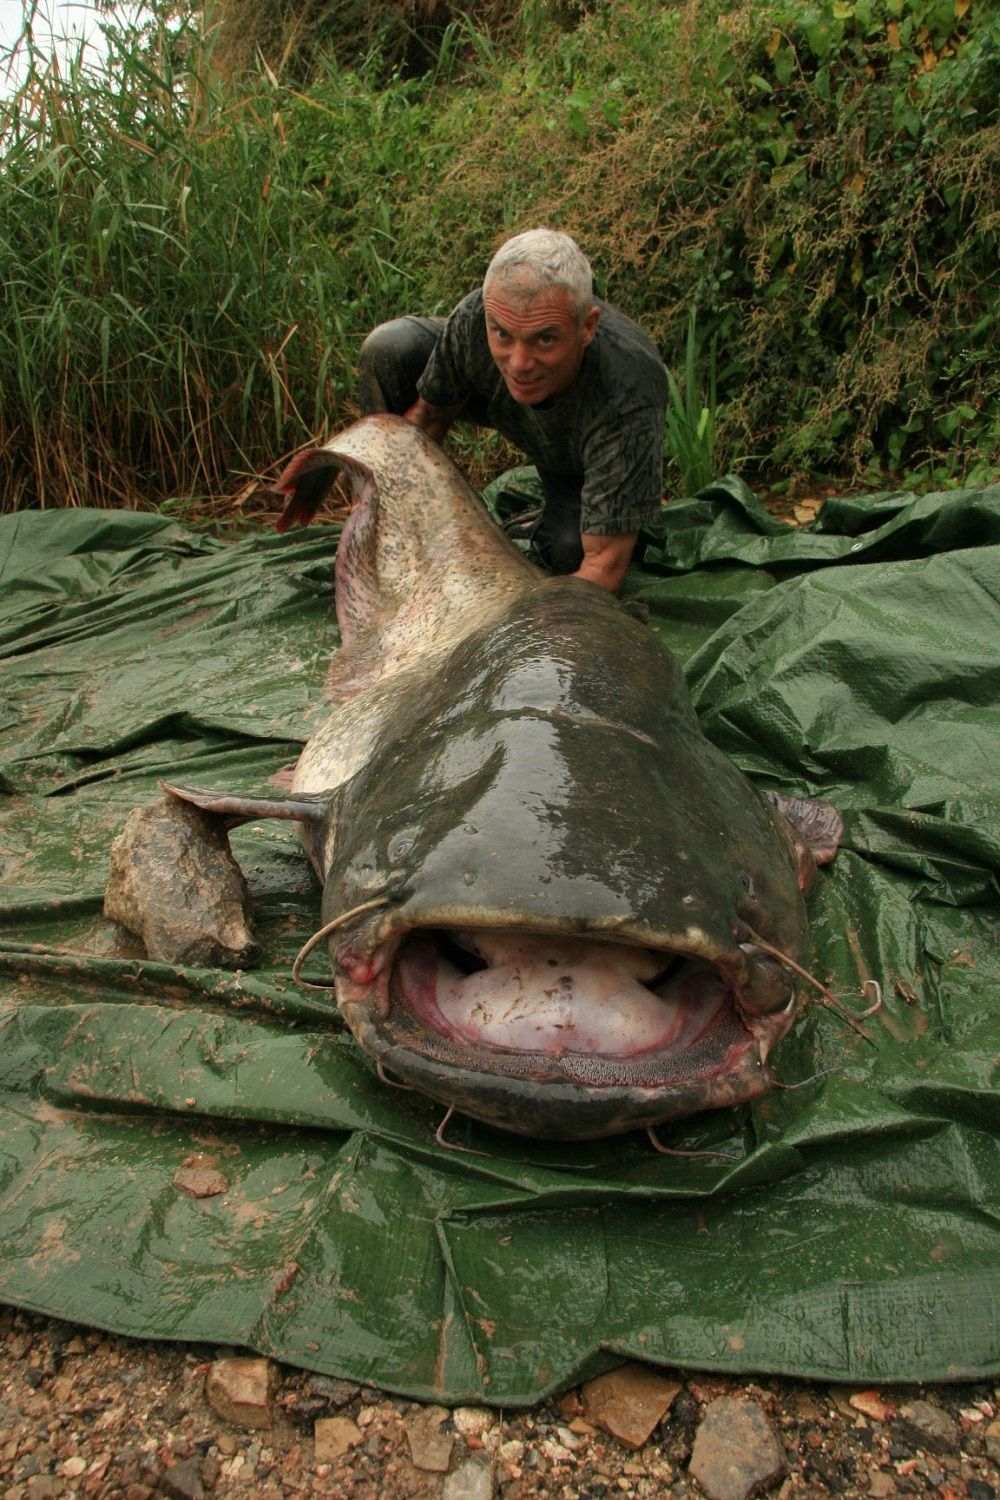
<point x="570" y="380"/>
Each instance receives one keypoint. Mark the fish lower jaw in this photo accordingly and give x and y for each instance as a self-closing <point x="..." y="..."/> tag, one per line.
<point x="636" y="1036"/>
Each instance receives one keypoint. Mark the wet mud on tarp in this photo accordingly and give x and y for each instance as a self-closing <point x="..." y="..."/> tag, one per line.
<point x="850" y="1233"/>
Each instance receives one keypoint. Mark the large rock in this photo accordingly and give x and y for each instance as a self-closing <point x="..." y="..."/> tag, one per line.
<point x="929" y="1426"/>
<point x="736" y="1453"/>
<point x="240" y="1391"/>
<point x="629" y="1402"/>
<point x="174" y="883"/>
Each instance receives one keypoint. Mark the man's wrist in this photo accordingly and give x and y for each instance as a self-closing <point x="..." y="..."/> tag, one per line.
<point x="606" y="559"/>
<point x="434" y="420"/>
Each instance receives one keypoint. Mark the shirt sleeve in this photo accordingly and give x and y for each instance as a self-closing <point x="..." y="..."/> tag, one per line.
<point x="623" y="473"/>
<point x="447" y="377"/>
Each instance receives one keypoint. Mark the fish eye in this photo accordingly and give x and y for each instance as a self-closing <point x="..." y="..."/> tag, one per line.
<point x="400" y="845"/>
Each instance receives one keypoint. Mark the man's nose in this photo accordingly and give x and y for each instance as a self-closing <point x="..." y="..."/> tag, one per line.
<point x="520" y="357"/>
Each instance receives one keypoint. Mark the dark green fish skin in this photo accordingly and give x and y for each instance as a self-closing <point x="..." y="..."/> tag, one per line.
<point x="553" y="777"/>
<point x="540" y="779"/>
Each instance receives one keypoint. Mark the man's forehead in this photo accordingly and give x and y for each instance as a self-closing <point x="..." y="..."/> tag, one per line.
<point x="529" y="305"/>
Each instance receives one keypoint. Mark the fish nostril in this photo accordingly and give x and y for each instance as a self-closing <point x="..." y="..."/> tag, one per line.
<point x="399" y="846"/>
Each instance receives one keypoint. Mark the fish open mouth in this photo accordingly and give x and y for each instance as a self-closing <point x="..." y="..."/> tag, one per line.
<point x="564" y="1035"/>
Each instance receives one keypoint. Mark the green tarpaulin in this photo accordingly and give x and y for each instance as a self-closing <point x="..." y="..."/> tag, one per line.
<point x="850" y="1232"/>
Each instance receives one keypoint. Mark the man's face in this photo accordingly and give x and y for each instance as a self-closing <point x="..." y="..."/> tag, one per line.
<point x="536" y="339"/>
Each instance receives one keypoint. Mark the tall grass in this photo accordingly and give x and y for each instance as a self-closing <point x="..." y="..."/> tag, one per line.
<point x="190" y="255"/>
<point x="188" y="270"/>
<point x="691" y="416"/>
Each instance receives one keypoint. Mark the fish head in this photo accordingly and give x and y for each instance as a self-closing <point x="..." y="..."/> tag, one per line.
<point x="562" y="889"/>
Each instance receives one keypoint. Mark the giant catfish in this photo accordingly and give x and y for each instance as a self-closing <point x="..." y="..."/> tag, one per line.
<point x="549" y="901"/>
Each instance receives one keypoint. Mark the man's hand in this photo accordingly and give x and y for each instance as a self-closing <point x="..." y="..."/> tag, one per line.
<point x="434" y="420"/>
<point x="606" y="558"/>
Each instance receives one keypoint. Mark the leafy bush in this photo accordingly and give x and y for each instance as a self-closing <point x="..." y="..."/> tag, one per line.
<point x="192" y="256"/>
<point x="820" y="180"/>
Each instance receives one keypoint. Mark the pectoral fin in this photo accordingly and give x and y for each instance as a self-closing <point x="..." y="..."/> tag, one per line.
<point x="235" y="809"/>
<point x="817" y="830"/>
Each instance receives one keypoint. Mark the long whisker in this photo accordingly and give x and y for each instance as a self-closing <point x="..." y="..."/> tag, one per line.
<point x="828" y="998"/>
<point x="317" y="937"/>
<point x="453" y="1145"/>
<point x="657" y="1145"/>
<point x="393" y="1083"/>
<point x="804" y="1082"/>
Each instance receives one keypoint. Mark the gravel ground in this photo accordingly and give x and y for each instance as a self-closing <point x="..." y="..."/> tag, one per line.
<point x="85" y="1413"/>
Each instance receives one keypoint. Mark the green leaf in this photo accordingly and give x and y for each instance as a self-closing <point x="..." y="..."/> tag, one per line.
<point x="819" y="39"/>
<point x="863" y="14"/>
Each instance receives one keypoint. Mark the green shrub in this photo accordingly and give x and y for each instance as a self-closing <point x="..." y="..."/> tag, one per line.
<point x="192" y="256"/>
<point x="820" y="180"/>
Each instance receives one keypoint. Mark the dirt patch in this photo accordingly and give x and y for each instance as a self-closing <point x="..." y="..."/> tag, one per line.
<point x="89" y="1414"/>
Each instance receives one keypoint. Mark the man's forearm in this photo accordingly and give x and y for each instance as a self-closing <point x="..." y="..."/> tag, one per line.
<point x="606" y="559"/>
<point x="434" y="420"/>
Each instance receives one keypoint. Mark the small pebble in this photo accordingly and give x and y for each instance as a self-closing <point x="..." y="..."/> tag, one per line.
<point x="335" y="1436"/>
<point x="472" y="1421"/>
<point x="929" y="1426"/>
<point x="472" y="1480"/>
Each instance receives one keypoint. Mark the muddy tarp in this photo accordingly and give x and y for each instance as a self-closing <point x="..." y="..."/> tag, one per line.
<point x="849" y="1232"/>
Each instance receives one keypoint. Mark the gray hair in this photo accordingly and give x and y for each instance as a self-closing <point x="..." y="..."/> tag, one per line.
<point x="544" y="257"/>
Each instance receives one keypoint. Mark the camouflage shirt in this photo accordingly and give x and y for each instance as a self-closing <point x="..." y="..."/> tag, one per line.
<point x="604" y="435"/>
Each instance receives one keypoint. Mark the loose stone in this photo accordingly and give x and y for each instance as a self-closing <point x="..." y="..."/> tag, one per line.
<point x="629" y="1402"/>
<point x="472" y="1421"/>
<point x="430" y="1448"/>
<point x="182" y="1482"/>
<point x="240" y="1391"/>
<point x="992" y="1439"/>
<point x="335" y="1436"/>
<point x="929" y="1426"/>
<point x="472" y="1480"/>
<point x="736" y="1450"/>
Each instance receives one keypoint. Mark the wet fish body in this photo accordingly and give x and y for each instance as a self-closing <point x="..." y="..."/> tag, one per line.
<point x="551" y="903"/>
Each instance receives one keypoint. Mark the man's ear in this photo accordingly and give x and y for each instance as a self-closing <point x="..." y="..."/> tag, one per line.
<point x="589" y="326"/>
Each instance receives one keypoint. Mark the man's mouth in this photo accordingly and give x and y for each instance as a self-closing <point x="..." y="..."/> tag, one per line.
<point x="524" y="387"/>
